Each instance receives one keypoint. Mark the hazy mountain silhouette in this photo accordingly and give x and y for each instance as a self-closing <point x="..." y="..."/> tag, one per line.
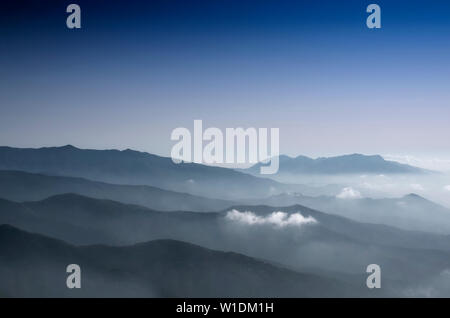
<point x="347" y="164"/>
<point x="410" y="260"/>
<point x="410" y="212"/>
<point x="32" y="265"/>
<point x="83" y="220"/>
<point x="137" y="168"/>
<point x="23" y="186"/>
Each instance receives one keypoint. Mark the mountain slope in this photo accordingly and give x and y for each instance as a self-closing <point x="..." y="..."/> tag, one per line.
<point x="330" y="243"/>
<point x="410" y="212"/>
<point x="137" y="168"/>
<point x="347" y="164"/>
<point x="34" y="266"/>
<point x="83" y="220"/>
<point x="23" y="186"/>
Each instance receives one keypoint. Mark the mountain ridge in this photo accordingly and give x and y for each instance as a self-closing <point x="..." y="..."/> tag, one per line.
<point x="343" y="164"/>
<point x="151" y="268"/>
<point x="328" y="244"/>
<point x="137" y="168"/>
<point x="408" y="212"/>
<point x="22" y="186"/>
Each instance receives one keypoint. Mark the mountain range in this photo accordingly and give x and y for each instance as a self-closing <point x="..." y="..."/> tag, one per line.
<point x="137" y="168"/>
<point x="33" y="265"/>
<point x="24" y="186"/>
<point x="347" y="164"/>
<point x="410" y="212"/>
<point x="140" y="225"/>
<point x="130" y="167"/>
<point x="330" y="246"/>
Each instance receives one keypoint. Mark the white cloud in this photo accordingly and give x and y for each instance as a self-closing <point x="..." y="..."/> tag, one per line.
<point x="278" y="218"/>
<point x="447" y="188"/>
<point x="349" y="193"/>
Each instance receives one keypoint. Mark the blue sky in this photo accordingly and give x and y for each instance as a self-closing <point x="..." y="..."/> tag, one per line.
<point x="135" y="71"/>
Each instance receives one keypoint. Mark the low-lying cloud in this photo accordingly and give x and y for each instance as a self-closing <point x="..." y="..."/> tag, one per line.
<point x="349" y="193"/>
<point x="277" y="218"/>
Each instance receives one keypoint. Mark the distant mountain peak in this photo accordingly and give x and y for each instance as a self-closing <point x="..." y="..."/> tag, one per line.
<point x="414" y="196"/>
<point x="69" y="147"/>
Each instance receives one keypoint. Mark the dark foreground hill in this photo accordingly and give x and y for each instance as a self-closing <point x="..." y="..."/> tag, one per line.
<point x="32" y="265"/>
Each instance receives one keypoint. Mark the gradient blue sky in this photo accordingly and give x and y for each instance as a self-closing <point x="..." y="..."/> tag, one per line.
<point x="137" y="70"/>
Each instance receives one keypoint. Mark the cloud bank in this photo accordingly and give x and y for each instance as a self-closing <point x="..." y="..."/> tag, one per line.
<point x="278" y="218"/>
